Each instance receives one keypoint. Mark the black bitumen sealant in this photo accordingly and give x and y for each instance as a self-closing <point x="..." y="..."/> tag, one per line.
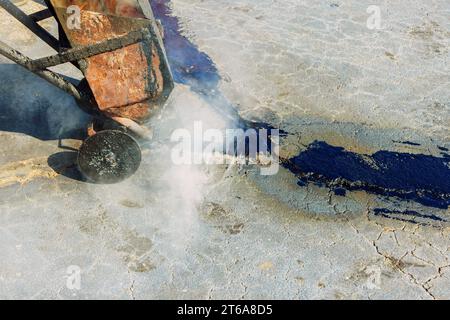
<point x="424" y="179"/>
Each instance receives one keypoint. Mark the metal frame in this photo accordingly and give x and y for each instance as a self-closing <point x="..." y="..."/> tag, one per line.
<point x="45" y="74"/>
<point x="30" y="23"/>
<point x="39" y="66"/>
<point x="77" y="54"/>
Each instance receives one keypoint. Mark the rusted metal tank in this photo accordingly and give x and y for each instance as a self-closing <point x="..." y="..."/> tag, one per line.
<point x="130" y="82"/>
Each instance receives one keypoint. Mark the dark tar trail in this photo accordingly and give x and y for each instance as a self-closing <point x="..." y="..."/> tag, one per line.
<point x="420" y="178"/>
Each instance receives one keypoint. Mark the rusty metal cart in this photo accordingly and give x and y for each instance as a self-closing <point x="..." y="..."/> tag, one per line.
<point x="117" y="45"/>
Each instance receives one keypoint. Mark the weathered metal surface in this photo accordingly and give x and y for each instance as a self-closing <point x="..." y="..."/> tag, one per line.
<point x="126" y="82"/>
<point x="76" y="54"/>
<point x="122" y="8"/>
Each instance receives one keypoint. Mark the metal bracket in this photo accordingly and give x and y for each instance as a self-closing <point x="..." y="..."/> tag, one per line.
<point x="77" y="54"/>
<point x="41" y="15"/>
<point x="48" y="75"/>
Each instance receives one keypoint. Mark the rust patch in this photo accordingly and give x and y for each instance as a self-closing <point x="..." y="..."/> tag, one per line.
<point x="126" y="82"/>
<point x="124" y="8"/>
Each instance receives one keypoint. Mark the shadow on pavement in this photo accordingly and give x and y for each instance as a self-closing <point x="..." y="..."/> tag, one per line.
<point x="65" y="164"/>
<point x="29" y="105"/>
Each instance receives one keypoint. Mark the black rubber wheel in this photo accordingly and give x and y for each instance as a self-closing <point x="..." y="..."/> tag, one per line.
<point x="108" y="157"/>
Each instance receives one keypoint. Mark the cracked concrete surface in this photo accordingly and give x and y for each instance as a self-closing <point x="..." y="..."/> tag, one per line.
<point x="318" y="58"/>
<point x="217" y="232"/>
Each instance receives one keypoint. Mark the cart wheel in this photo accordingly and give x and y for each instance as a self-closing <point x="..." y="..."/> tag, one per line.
<point x="109" y="156"/>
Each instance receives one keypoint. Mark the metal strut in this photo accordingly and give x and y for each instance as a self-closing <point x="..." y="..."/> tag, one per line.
<point x="77" y="54"/>
<point x="48" y="75"/>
